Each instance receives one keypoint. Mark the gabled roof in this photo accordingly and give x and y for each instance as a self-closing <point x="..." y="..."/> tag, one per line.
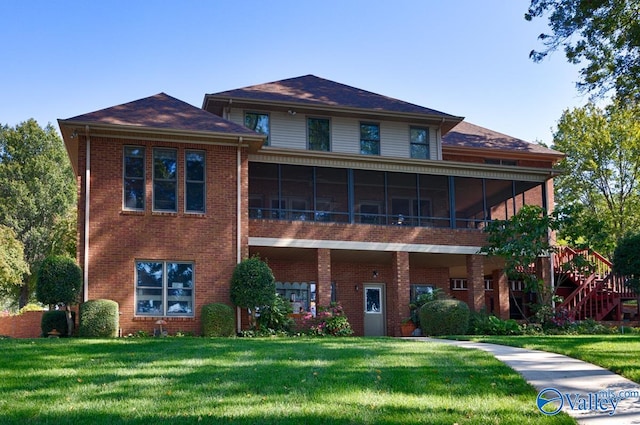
<point x="158" y="114"/>
<point x="471" y="136"/>
<point x="162" y="111"/>
<point x="315" y="92"/>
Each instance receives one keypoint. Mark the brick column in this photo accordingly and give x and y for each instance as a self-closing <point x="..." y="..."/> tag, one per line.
<point x="501" y="294"/>
<point x="543" y="270"/>
<point x="323" y="290"/>
<point x="398" y="295"/>
<point x="475" y="281"/>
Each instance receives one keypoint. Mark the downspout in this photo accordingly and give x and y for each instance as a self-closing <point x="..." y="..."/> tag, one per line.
<point x="87" y="192"/>
<point x="239" y="219"/>
<point x="439" y="143"/>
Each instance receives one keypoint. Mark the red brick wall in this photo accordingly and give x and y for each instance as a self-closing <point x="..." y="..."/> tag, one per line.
<point x="118" y="238"/>
<point x="25" y="325"/>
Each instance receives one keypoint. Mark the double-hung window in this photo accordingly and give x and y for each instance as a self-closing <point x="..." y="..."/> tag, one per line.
<point x="318" y="133"/>
<point x="165" y="180"/>
<point x="419" y="142"/>
<point x="258" y="122"/>
<point x="134" y="180"/>
<point x="164" y="288"/>
<point x="195" y="170"/>
<point x="369" y="139"/>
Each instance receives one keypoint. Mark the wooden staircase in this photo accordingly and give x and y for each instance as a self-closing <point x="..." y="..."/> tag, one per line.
<point x="599" y="291"/>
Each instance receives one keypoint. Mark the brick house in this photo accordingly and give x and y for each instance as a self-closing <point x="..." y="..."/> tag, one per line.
<point x="349" y="195"/>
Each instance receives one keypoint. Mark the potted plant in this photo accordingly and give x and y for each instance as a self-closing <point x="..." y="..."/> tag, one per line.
<point x="407" y="327"/>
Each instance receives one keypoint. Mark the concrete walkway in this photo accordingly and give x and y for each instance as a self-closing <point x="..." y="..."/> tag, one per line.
<point x="578" y="383"/>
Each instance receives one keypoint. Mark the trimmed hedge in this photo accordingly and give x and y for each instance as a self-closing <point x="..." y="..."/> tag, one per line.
<point x="99" y="318"/>
<point x="444" y="317"/>
<point x="55" y="319"/>
<point x="218" y="320"/>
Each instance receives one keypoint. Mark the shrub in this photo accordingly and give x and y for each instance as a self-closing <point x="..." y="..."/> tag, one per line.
<point x="252" y="284"/>
<point x="55" y="319"/>
<point x="444" y="317"/>
<point x="484" y="324"/>
<point x="330" y="321"/>
<point x="274" y="319"/>
<point x="218" y="320"/>
<point x="30" y="307"/>
<point x="99" y="318"/>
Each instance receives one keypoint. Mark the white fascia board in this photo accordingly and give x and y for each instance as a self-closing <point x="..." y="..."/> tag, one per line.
<point x="363" y="246"/>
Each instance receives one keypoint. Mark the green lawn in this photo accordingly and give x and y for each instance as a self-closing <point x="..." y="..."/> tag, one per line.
<point x="618" y="353"/>
<point x="259" y="381"/>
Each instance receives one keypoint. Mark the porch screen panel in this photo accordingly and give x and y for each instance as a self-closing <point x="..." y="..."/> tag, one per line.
<point x="528" y="193"/>
<point x="369" y="199"/>
<point x="434" y="209"/>
<point x="499" y="195"/>
<point x="296" y="191"/>
<point x="332" y="195"/>
<point x="469" y="202"/>
<point x="263" y="190"/>
<point x="402" y="197"/>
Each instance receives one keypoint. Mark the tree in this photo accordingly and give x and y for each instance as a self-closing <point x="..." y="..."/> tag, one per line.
<point x="626" y="259"/>
<point x="12" y="264"/>
<point x="37" y="193"/>
<point x="605" y="34"/>
<point x="59" y="281"/>
<point x="601" y="178"/>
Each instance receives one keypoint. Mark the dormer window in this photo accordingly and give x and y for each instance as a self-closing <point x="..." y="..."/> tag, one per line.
<point x="258" y="122"/>
<point x="369" y="139"/>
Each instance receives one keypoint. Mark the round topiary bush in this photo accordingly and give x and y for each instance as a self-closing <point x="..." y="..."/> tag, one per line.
<point x="218" y="320"/>
<point x="55" y="319"/>
<point x="444" y="317"/>
<point x="99" y="318"/>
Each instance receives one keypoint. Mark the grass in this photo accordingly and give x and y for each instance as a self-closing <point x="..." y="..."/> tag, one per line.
<point x="618" y="353"/>
<point x="259" y="381"/>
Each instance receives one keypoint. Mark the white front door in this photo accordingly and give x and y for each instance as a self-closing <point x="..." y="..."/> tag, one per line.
<point x="374" y="314"/>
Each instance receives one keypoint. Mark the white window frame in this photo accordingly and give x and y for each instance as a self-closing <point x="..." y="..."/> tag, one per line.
<point x="203" y="181"/>
<point x="124" y="177"/>
<point x="164" y="294"/>
<point x="459" y="284"/>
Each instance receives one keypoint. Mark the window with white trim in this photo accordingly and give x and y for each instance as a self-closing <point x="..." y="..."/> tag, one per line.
<point x="419" y="138"/>
<point x="164" y="288"/>
<point x="369" y="139"/>
<point x="459" y="284"/>
<point x="258" y="122"/>
<point x="319" y="134"/>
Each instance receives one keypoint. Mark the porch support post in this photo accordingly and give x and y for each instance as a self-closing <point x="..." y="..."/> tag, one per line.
<point x="475" y="281"/>
<point x="543" y="271"/>
<point x="399" y="293"/>
<point x="323" y="290"/>
<point x="501" y="294"/>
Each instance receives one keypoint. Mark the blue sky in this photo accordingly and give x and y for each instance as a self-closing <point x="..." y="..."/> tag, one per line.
<point x="463" y="57"/>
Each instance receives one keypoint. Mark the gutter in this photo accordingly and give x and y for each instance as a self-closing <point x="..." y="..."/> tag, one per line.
<point x="87" y="193"/>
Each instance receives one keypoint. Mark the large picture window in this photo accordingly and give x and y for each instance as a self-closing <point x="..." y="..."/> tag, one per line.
<point x="195" y="169"/>
<point x="369" y="139"/>
<point x="165" y="180"/>
<point x="258" y="122"/>
<point x="318" y="132"/>
<point x="133" y="184"/>
<point x="164" y="288"/>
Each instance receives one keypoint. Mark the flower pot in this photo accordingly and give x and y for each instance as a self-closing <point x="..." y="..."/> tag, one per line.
<point x="407" y="328"/>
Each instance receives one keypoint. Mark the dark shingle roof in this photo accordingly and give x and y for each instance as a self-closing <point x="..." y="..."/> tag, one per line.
<point x="162" y="111"/>
<point x="315" y="91"/>
<point x="467" y="135"/>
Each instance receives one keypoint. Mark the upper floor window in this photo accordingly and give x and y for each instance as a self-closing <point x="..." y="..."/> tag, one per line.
<point x="134" y="178"/>
<point x="419" y="142"/>
<point x="195" y="169"/>
<point x="165" y="179"/>
<point x="318" y="134"/>
<point x="495" y="161"/>
<point x="369" y="139"/>
<point x="258" y="122"/>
